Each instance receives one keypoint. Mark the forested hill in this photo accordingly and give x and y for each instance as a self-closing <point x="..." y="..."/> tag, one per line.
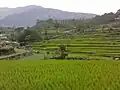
<point x="107" y="18"/>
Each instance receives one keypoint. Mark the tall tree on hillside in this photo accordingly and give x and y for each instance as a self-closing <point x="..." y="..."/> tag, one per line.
<point x="46" y="35"/>
<point x="57" y="26"/>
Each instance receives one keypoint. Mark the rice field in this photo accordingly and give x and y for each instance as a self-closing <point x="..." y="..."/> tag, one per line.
<point x="92" y="45"/>
<point x="59" y="75"/>
<point x="98" y="72"/>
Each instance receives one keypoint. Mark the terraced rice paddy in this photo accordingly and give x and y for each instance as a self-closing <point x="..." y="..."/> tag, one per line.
<point x="92" y="45"/>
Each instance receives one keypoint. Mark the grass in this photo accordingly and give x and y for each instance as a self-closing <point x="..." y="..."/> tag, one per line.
<point x="35" y="56"/>
<point x="59" y="75"/>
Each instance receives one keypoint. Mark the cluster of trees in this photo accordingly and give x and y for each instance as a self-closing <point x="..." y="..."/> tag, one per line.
<point x="29" y="36"/>
<point x="106" y="18"/>
<point x="25" y="35"/>
<point x="66" y="24"/>
<point x="34" y="34"/>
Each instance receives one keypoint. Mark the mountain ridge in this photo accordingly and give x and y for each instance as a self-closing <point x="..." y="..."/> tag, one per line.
<point x="27" y="16"/>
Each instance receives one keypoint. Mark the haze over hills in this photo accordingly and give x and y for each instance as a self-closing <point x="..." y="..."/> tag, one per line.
<point x="27" y="16"/>
<point x="4" y="12"/>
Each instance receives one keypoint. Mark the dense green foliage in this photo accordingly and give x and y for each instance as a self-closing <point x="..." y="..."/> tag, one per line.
<point x="29" y="35"/>
<point x="60" y="75"/>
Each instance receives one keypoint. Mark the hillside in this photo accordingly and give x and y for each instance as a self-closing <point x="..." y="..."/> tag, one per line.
<point x="27" y="16"/>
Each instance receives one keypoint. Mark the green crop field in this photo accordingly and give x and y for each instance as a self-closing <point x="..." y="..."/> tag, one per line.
<point x="59" y="75"/>
<point x="100" y="69"/>
<point x="96" y="45"/>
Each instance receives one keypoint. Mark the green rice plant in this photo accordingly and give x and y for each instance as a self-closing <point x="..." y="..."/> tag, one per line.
<point x="59" y="75"/>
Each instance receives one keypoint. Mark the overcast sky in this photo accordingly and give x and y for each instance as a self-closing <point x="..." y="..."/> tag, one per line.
<point x="87" y="6"/>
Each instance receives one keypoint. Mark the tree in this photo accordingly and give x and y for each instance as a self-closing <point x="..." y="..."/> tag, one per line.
<point x="61" y="53"/>
<point x="29" y="36"/>
<point x="46" y="35"/>
<point x="57" y="26"/>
